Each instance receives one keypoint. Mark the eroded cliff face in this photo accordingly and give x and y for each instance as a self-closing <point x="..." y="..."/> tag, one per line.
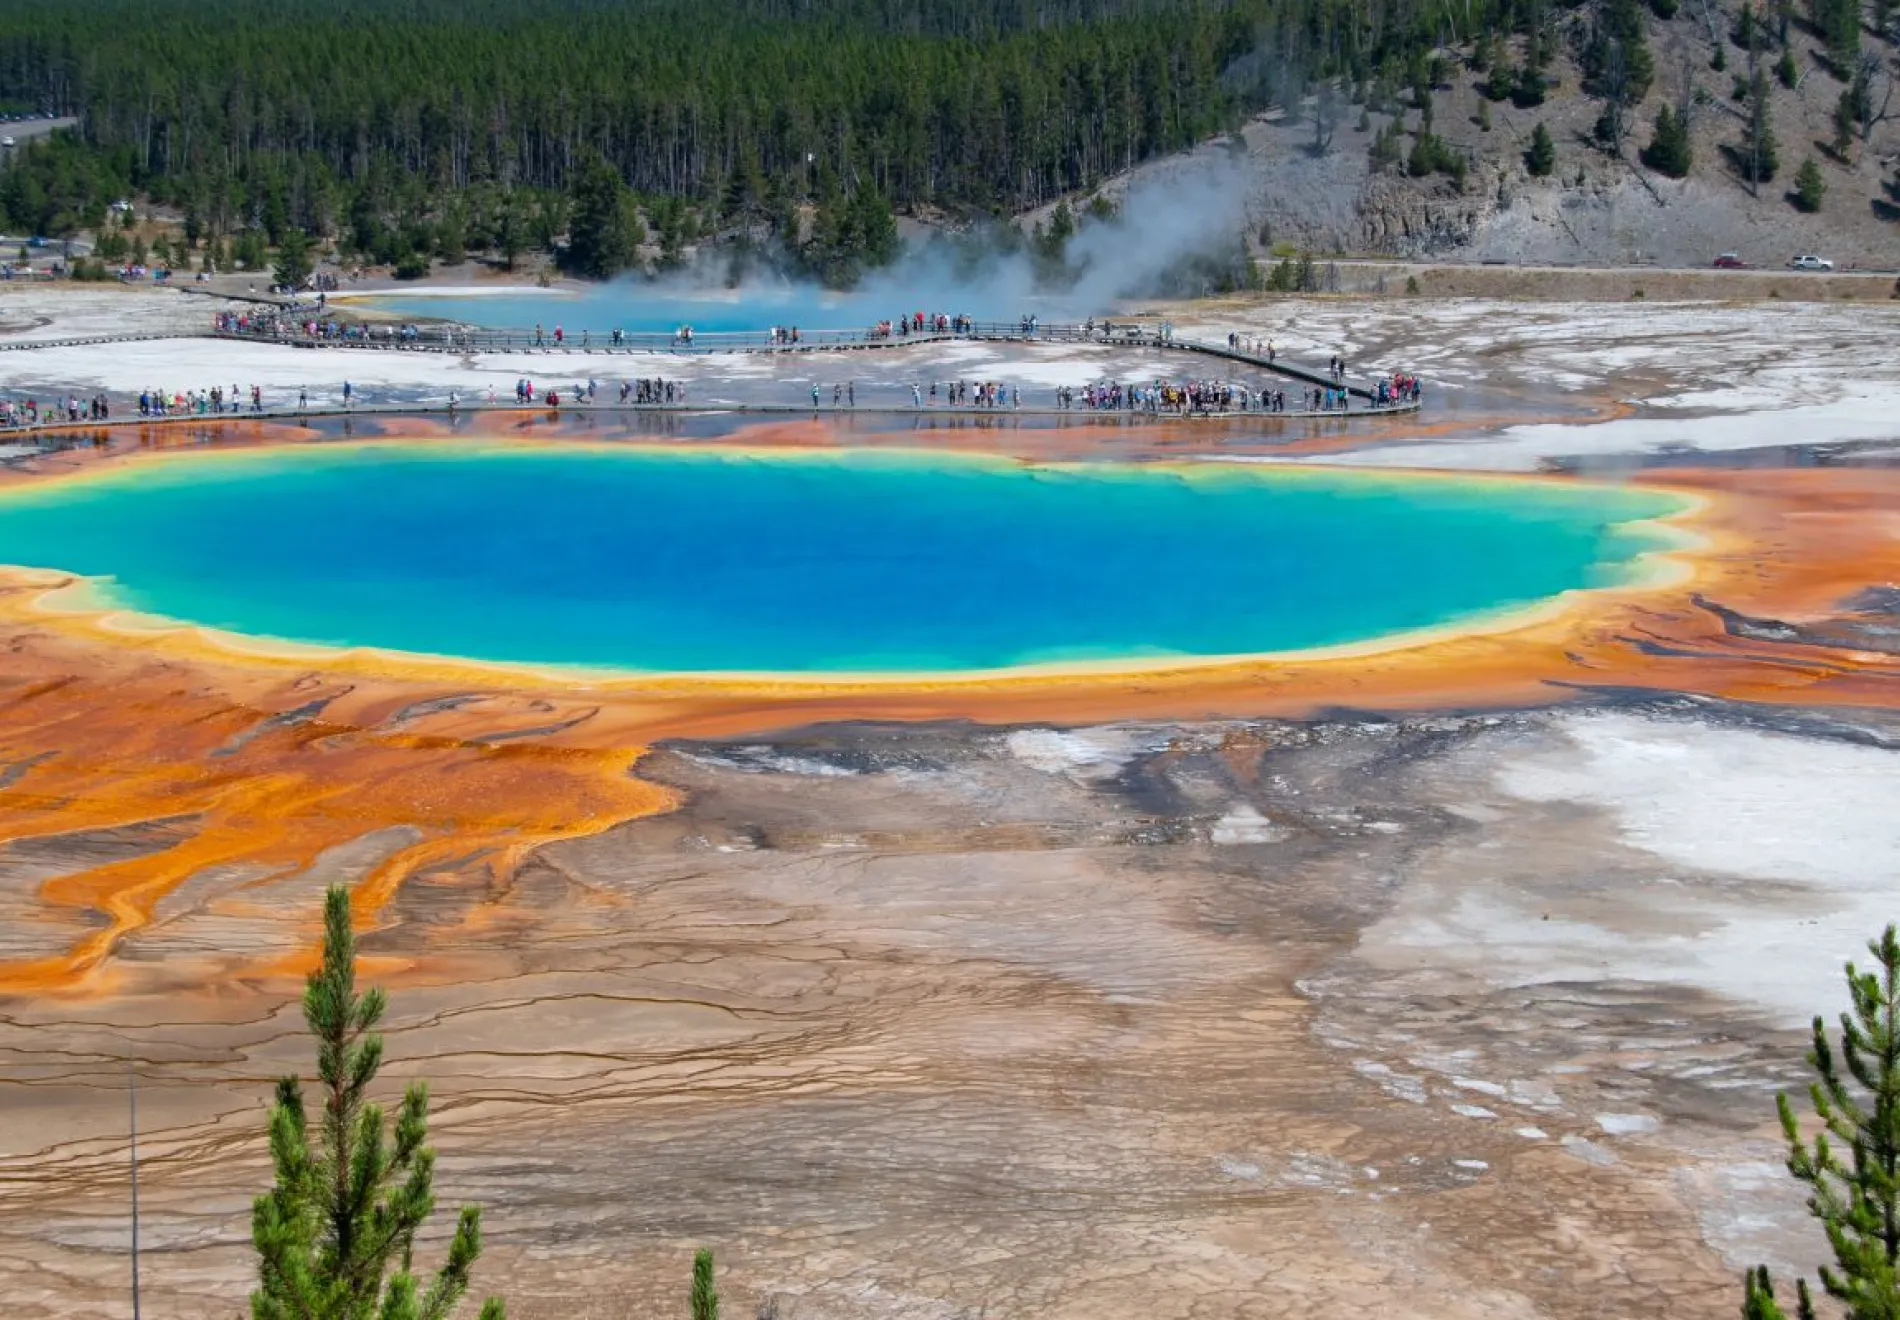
<point x="1331" y="202"/>
<point x="1418" y="217"/>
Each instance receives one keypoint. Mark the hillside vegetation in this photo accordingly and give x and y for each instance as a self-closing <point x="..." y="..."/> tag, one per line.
<point x="403" y="132"/>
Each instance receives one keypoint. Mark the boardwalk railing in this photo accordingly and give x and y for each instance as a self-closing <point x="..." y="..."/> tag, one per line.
<point x="314" y="333"/>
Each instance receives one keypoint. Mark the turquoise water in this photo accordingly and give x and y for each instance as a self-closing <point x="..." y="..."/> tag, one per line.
<point x="700" y="560"/>
<point x="635" y="307"/>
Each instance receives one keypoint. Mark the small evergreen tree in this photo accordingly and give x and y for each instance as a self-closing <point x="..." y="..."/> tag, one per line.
<point x="1531" y="86"/>
<point x="1839" y="22"/>
<point x="1608" y="130"/>
<point x="1757" y="153"/>
<point x="1500" y="82"/>
<point x="293" y="260"/>
<point x="1670" y="151"/>
<point x="705" y="1296"/>
<point x="1541" y="159"/>
<point x="346" y="1205"/>
<point x="1844" y="123"/>
<point x="1785" y="69"/>
<point x="1852" y="1168"/>
<point x="1809" y="187"/>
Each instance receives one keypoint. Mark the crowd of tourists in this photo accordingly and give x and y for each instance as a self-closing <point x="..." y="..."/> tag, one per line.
<point x="1179" y="398"/>
<point x="920" y="323"/>
<point x="1396" y="390"/>
<point x="655" y="391"/>
<point x="970" y="393"/>
<point x="293" y="323"/>
<point x="53" y="412"/>
<point x="199" y="402"/>
<point x="1253" y="345"/>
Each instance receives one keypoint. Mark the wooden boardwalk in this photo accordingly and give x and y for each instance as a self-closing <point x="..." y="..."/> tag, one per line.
<point x="463" y="341"/>
<point x="81" y="431"/>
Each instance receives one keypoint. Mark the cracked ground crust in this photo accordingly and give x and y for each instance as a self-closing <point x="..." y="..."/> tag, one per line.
<point x="914" y="1021"/>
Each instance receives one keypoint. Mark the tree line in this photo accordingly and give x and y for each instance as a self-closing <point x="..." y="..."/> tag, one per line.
<point x="438" y="127"/>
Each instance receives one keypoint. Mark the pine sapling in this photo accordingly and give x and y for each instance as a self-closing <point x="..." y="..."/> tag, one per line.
<point x="1852" y="1165"/>
<point x="348" y="1200"/>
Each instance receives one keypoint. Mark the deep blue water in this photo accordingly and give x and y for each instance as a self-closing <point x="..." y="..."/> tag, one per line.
<point x="701" y="560"/>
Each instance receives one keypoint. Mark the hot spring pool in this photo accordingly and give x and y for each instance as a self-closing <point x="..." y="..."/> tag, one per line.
<point x="636" y="308"/>
<point x="696" y="560"/>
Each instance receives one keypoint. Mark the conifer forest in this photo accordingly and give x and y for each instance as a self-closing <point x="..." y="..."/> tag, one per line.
<point x="405" y="124"/>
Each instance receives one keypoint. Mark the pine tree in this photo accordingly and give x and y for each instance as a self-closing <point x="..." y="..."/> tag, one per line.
<point x="1500" y="82"/>
<point x="1757" y="153"/>
<point x="293" y="260"/>
<point x="1670" y="151"/>
<point x="705" y="1296"/>
<point x="1809" y="187"/>
<point x="347" y="1204"/>
<point x="1531" y="86"/>
<point x="1840" y="24"/>
<point x="1845" y="121"/>
<point x="875" y="225"/>
<point x="600" y="233"/>
<point x="1758" y="1297"/>
<point x="1852" y="1167"/>
<point x="1541" y="159"/>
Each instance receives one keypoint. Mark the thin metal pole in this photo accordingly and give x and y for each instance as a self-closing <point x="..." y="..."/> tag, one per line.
<point x="135" y="1193"/>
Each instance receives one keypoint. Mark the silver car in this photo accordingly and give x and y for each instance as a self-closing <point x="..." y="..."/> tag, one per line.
<point x="1808" y="261"/>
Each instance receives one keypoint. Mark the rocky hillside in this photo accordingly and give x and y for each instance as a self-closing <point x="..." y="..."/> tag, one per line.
<point x="1596" y="206"/>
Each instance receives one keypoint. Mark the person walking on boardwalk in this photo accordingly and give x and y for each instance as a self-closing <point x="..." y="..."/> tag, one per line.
<point x="347" y="391"/>
<point x="814" y="396"/>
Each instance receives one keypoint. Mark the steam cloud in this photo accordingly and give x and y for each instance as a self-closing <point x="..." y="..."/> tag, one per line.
<point x="1173" y="232"/>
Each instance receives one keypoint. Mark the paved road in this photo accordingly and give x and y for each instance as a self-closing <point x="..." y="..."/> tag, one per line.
<point x="1587" y="268"/>
<point x="19" y="133"/>
<point x="25" y="130"/>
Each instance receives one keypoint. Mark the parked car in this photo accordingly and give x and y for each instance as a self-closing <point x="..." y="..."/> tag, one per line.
<point x="1730" y="261"/>
<point x="1808" y="261"/>
<point x="6" y="141"/>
